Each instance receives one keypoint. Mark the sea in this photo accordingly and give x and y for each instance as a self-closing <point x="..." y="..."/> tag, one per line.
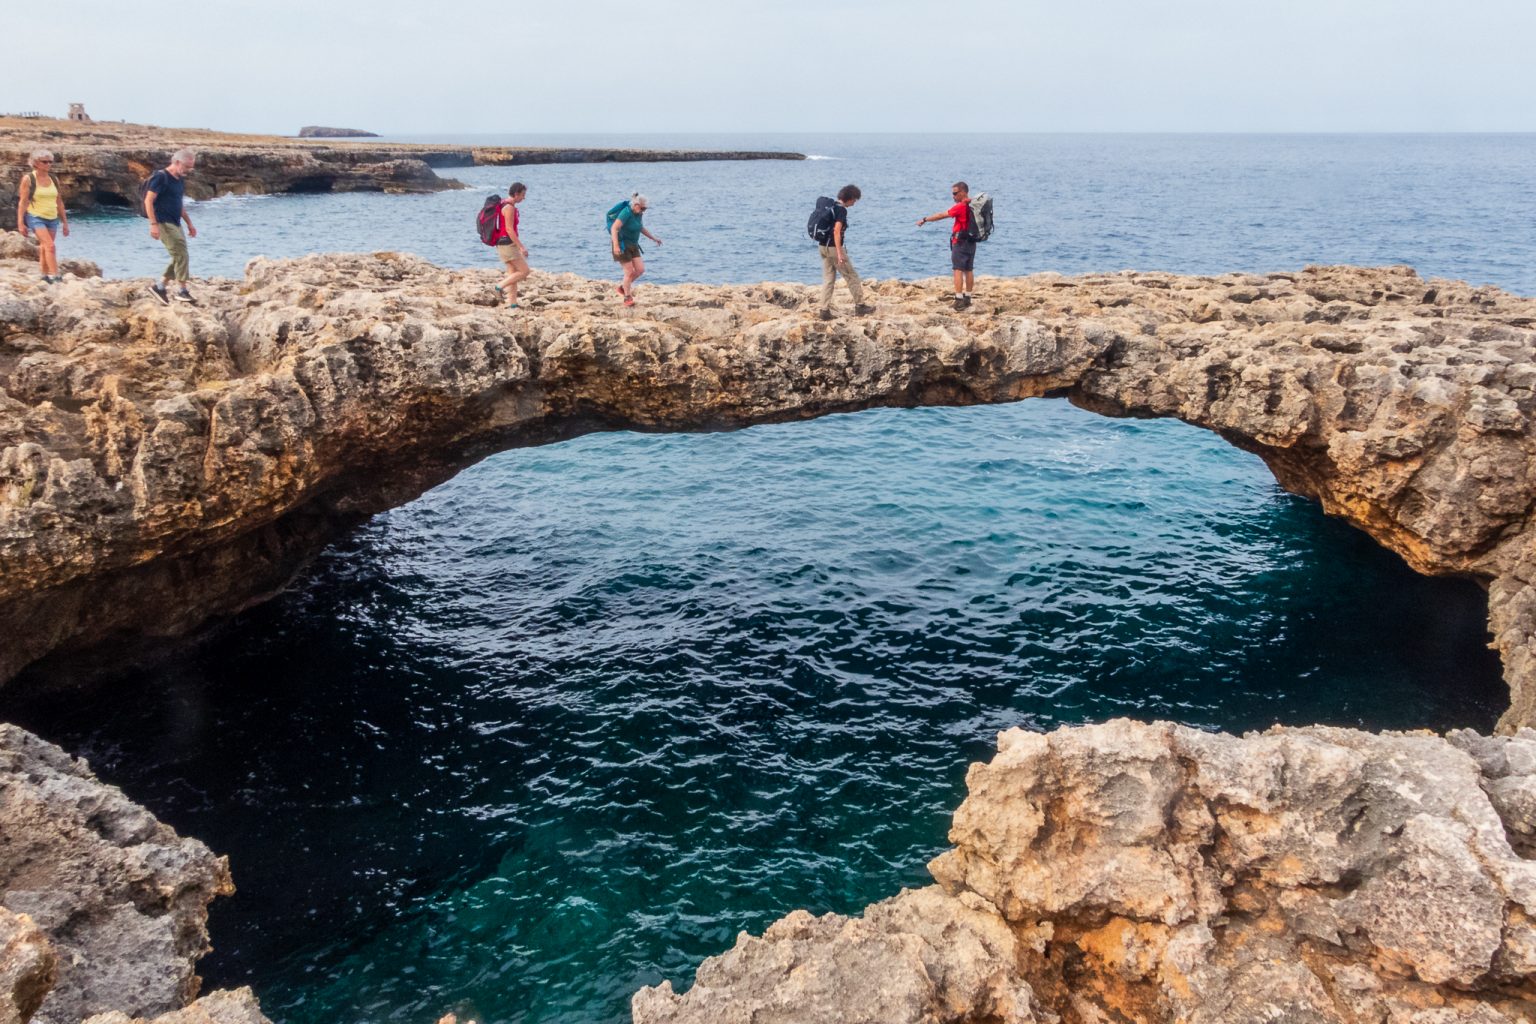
<point x="570" y="722"/>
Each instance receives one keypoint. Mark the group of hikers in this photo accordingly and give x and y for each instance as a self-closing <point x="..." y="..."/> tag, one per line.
<point x="499" y="224"/>
<point x="40" y="211"/>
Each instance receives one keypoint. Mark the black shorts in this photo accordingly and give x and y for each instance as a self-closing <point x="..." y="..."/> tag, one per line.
<point x="962" y="253"/>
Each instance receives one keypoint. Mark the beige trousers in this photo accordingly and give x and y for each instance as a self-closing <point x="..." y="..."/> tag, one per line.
<point x="830" y="268"/>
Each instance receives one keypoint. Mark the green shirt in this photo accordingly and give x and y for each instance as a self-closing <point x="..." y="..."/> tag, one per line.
<point x="629" y="227"/>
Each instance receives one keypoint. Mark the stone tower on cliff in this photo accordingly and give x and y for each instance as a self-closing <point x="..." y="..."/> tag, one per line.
<point x="77" y="112"/>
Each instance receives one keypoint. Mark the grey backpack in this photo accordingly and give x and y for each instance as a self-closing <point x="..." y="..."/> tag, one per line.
<point x="981" y="217"/>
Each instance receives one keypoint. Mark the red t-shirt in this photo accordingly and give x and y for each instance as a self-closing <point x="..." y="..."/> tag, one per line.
<point x="962" y="214"/>
<point x="506" y="229"/>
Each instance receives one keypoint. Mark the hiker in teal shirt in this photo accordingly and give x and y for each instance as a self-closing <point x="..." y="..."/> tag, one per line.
<point x="628" y="226"/>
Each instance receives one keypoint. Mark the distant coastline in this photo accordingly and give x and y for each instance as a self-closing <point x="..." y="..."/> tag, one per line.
<point x="102" y="163"/>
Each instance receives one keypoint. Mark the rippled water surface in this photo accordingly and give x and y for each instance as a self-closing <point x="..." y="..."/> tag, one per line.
<point x="566" y="724"/>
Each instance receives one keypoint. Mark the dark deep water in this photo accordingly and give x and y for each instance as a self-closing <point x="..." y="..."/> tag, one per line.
<point x="567" y="723"/>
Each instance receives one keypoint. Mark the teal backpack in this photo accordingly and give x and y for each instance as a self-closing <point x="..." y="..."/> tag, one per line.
<point x="614" y="211"/>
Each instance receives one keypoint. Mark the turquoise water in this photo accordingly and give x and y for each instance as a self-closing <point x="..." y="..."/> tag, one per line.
<point x="567" y="723"/>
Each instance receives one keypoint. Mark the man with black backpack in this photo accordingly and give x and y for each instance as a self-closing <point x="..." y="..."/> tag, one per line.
<point x="962" y="242"/>
<point x="828" y="225"/>
<point x="164" y="205"/>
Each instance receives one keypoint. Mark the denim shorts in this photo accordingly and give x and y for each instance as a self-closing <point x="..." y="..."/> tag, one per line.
<point x="51" y="223"/>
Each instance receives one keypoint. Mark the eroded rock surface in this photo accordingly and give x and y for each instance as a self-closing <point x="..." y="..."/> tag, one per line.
<point x="121" y="899"/>
<point x="28" y="967"/>
<point x="1152" y="873"/>
<point x="185" y="461"/>
<point x="227" y="1006"/>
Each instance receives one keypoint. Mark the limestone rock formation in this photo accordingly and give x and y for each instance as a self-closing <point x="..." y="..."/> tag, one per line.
<point x="227" y="1006"/>
<point x="28" y="967"/>
<point x="15" y="247"/>
<point x="103" y="163"/>
<point x="122" y="900"/>
<point x="1154" y="873"/>
<point x="160" y="466"/>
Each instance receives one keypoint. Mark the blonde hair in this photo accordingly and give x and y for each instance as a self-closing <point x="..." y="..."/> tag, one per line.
<point x="40" y="154"/>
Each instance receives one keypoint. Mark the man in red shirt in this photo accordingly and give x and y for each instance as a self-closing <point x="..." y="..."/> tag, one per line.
<point x="962" y="242"/>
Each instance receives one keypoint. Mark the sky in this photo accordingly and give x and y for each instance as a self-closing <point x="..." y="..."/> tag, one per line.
<point x="602" y="66"/>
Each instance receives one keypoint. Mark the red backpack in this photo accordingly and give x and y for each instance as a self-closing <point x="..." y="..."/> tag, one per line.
<point x="488" y="222"/>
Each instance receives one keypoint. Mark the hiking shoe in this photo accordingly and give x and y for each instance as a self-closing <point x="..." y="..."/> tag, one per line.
<point x="628" y="301"/>
<point x="159" y="292"/>
<point x="185" y="296"/>
<point x="825" y="314"/>
<point x="863" y="310"/>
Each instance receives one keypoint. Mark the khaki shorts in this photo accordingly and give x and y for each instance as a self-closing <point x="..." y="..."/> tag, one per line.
<point x="630" y="252"/>
<point x="509" y="253"/>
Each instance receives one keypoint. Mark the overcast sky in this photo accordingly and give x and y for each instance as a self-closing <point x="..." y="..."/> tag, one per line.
<point x="413" y="66"/>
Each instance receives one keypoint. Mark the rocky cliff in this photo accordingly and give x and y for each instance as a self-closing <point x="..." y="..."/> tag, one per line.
<point x="1153" y="873"/>
<point x="103" y="163"/>
<point x="159" y="466"/>
<point x="102" y="908"/>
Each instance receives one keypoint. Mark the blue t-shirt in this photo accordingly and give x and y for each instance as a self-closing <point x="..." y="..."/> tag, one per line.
<point x="629" y="227"/>
<point x="169" y="191"/>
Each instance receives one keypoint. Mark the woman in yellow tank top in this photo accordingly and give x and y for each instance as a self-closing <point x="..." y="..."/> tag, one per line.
<point x="40" y="211"/>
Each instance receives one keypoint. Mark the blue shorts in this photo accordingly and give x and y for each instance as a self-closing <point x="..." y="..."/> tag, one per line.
<point x="51" y="223"/>
<point x="962" y="253"/>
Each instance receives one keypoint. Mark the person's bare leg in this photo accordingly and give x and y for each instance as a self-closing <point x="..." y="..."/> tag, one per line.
<point x="959" y="282"/>
<point x="47" y="255"/>
<point x="970" y="281"/>
<point x="632" y="271"/>
<point x="517" y="272"/>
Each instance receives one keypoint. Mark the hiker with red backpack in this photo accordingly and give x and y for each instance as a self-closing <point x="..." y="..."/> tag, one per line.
<point x="497" y="223"/>
<point x="510" y="247"/>
<point x="973" y="223"/>
<point x="625" y="227"/>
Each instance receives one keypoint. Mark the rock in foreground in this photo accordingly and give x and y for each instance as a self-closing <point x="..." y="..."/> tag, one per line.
<point x="1154" y="873"/>
<point x="120" y="898"/>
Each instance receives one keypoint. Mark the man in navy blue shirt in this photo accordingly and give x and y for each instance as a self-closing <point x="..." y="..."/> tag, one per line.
<point x="165" y="207"/>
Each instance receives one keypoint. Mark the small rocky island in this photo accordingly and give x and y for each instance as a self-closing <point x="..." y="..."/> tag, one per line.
<point x="162" y="467"/>
<point x="315" y="131"/>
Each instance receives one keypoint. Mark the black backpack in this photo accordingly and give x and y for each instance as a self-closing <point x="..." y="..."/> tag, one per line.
<point x="819" y="227"/>
<point x="138" y="207"/>
<point x="488" y="220"/>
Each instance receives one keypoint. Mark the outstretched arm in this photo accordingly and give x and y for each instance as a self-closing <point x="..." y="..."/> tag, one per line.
<point x="942" y="215"/>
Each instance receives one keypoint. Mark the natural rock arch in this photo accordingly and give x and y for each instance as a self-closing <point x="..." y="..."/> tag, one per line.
<point x="161" y="466"/>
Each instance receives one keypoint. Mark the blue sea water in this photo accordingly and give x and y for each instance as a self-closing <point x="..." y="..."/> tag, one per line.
<point x="567" y="723"/>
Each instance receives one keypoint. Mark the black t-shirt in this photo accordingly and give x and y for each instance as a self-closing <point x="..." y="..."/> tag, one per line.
<point x="839" y="216"/>
<point x="169" y="191"/>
